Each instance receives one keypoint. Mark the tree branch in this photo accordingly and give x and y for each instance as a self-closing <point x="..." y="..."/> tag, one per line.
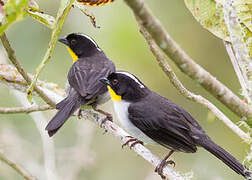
<point x="20" y="170"/>
<point x="184" y="62"/>
<point x="15" y="62"/>
<point x="107" y="125"/>
<point x="15" y="110"/>
<point x="160" y="57"/>
<point x="12" y="78"/>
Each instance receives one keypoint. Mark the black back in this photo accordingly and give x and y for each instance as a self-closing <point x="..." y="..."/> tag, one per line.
<point x="165" y="122"/>
<point x="86" y="72"/>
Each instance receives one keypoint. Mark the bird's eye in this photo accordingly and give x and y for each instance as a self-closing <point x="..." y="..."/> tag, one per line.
<point x="73" y="42"/>
<point x="115" y="82"/>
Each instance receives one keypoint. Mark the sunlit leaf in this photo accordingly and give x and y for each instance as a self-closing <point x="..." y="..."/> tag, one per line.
<point x="244" y="12"/>
<point x="45" y="19"/>
<point x="209" y="14"/>
<point x="247" y="36"/>
<point x="14" y="10"/>
<point x="39" y="15"/>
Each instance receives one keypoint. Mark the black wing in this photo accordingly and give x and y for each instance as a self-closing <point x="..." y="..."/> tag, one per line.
<point x="84" y="76"/>
<point x="165" y="122"/>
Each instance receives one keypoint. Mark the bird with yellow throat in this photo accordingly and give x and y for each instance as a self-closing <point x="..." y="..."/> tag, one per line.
<point x="90" y="65"/>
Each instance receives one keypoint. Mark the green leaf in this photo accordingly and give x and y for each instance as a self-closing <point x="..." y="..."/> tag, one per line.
<point x="14" y="10"/>
<point x="39" y="16"/>
<point x="244" y="12"/>
<point x="209" y="14"/>
<point x="35" y="13"/>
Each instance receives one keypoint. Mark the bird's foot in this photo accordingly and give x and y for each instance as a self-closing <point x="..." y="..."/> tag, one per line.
<point x="133" y="140"/>
<point x="162" y="164"/>
<point x="79" y="114"/>
<point x="108" y="115"/>
<point x="108" y="118"/>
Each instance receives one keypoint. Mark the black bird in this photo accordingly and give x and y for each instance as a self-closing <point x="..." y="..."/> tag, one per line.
<point x="153" y="119"/>
<point x="90" y="65"/>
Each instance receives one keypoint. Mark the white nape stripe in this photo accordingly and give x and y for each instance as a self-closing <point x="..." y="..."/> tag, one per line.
<point x="132" y="77"/>
<point x="90" y="40"/>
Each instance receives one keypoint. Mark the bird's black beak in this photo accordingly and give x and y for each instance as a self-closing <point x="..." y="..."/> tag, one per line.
<point x="64" y="41"/>
<point x="105" y="81"/>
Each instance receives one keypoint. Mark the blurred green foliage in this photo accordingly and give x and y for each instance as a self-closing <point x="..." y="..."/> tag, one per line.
<point x="210" y="15"/>
<point x="13" y="11"/>
<point x="122" y="43"/>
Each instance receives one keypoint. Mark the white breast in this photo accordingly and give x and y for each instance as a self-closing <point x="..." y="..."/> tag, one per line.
<point x="121" y="110"/>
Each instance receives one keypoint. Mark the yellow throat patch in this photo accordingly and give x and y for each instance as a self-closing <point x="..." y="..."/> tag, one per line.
<point x="74" y="56"/>
<point x="113" y="95"/>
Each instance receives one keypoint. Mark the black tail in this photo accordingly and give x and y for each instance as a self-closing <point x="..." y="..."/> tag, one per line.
<point x="66" y="108"/>
<point x="224" y="156"/>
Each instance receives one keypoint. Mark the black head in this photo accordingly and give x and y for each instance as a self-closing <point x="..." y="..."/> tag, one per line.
<point x="81" y="44"/>
<point x="125" y="86"/>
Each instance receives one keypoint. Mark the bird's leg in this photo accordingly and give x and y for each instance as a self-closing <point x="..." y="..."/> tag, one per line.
<point x="163" y="163"/>
<point x="79" y="114"/>
<point x="132" y="139"/>
<point x="108" y="116"/>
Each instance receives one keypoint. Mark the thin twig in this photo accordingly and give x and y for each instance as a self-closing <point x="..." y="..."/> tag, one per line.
<point x="86" y="13"/>
<point x="61" y="17"/>
<point x="15" y="110"/>
<point x="20" y="170"/>
<point x="15" y="62"/>
<point x="185" y="63"/>
<point x="236" y="67"/>
<point x="160" y="57"/>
